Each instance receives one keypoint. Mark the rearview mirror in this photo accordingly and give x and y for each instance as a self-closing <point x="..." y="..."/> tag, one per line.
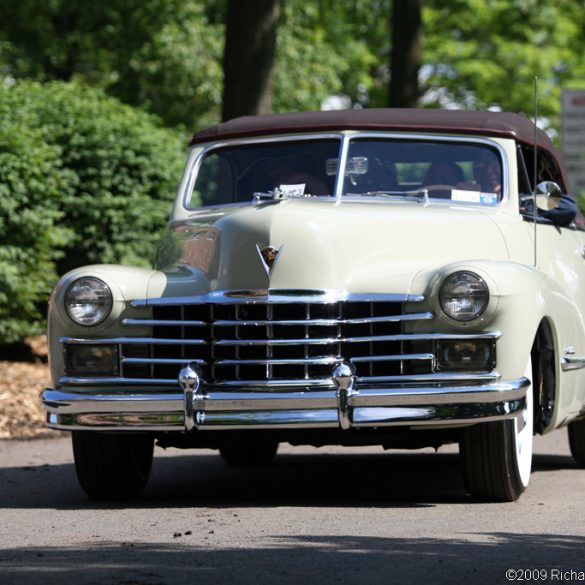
<point x="356" y="165"/>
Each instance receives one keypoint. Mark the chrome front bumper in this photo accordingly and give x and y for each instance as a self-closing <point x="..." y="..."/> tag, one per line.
<point x="340" y="405"/>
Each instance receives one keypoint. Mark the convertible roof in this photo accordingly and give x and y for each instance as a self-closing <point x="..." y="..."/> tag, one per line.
<point x="499" y="124"/>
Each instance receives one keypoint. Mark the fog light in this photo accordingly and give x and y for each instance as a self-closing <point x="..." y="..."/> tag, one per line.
<point x="92" y="360"/>
<point x="466" y="356"/>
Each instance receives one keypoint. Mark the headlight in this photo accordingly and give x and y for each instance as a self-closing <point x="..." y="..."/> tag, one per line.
<point x="464" y="296"/>
<point x="88" y="301"/>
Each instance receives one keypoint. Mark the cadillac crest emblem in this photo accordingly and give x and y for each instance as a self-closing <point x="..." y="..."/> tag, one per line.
<point x="268" y="256"/>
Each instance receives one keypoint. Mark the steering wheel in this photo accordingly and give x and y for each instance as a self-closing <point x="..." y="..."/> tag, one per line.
<point x="438" y="187"/>
<point x="445" y="189"/>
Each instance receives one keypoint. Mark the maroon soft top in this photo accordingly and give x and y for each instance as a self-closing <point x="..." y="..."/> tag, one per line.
<point x="483" y="123"/>
<point x="500" y="124"/>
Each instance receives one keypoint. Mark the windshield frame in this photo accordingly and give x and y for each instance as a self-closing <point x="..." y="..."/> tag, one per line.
<point x="345" y="138"/>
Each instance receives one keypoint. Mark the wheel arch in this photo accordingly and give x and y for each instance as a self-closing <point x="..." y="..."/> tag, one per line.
<point x="544" y="375"/>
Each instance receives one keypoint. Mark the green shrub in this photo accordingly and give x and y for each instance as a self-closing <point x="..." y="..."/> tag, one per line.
<point x="83" y="179"/>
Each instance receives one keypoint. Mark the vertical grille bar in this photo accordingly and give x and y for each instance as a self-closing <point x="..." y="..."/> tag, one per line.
<point x="340" y="315"/>
<point x="237" y="336"/>
<point x="371" y="329"/>
<point x="183" y="332"/>
<point x="269" y="335"/>
<point x="306" y="349"/>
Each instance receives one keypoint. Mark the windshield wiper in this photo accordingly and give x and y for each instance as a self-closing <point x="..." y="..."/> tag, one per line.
<point x="421" y="194"/>
<point x="281" y="194"/>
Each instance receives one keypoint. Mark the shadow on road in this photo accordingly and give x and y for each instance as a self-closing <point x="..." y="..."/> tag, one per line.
<point x="202" y="480"/>
<point x="300" y="559"/>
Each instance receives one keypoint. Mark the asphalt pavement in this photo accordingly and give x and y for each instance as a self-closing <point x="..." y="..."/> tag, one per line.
<point x="329" y="515"/>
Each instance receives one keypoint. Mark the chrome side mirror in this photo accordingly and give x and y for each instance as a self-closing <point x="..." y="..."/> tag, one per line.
<point x="548" y="195"/>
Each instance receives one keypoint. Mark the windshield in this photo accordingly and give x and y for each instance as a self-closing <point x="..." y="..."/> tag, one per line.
<point x="466" y="172"/>
<point x="469" y="172"/>
<point x="236" y="173"/>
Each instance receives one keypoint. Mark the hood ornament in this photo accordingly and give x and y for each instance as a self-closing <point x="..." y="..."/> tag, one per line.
<point x="268" y="256"/>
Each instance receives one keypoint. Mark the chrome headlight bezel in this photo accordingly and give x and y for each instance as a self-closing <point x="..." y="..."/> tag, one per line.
<point x="464" y="296"/>
<point x="88" y="301"/>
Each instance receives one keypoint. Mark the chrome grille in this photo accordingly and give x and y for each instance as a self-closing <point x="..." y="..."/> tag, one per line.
<point x="277" y="339"/>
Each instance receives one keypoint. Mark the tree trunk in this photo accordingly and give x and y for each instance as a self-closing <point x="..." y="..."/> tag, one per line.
<point x="248" y="62"/>
<point x="406" y="53"/>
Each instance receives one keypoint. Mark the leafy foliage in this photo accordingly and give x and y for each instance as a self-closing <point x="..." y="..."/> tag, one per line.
<point x="83" y="179"/>
<point x="161" y="55"/>
<point x="31" y="241"/>
<point x="482" y="53"/>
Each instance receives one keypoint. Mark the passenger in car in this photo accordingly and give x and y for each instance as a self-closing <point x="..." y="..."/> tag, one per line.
<point x="443" y="173"/>
<point x="311" y="183"/>
<point x="487" y="171"/>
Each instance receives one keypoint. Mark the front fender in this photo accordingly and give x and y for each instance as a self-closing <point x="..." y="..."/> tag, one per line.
<point x="520" y="298"/>
<point x="125" y="282"/>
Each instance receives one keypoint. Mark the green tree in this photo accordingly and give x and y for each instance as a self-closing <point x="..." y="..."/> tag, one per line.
<point x="162" y="55"/>
<point x="83" y="179"/>
<point x="485" y="53"/>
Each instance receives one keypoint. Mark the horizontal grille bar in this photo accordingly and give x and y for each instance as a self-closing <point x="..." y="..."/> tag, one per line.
<point x="390" y="358"/>
<point x="163" y="322"/>
<point x="132" y="340"/>
<point x="372" y="338"/>
<point x="312" y="322"/>
<point x="317" y="361"/>
<point x="249" y="297"/>
<point x="184" y="361"/>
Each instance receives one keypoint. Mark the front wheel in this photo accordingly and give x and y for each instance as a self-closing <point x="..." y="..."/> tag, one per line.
<point x="112" y="466"/>
<point x="577" y="441"/>
<point x="497" y="456"/>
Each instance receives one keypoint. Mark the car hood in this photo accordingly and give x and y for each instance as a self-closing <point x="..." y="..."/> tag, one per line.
<point x="355" y="247"/>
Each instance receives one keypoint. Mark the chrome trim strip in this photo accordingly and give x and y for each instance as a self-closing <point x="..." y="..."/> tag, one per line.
<point x="370" y="338"/>
<point x="282" y="384"/>
<point x="128" y="421"/>
<point x="182" y="361"/>
<point x="258" y="385"/>
<point x="276" y="385"/>
<point x="132" y="340"/>
<point x="340" y="176"/>
<point x="330" y="322"/>
<point x="430" y="378"/>
<point x="275" y="361"/>
<point x="69" y="402"/>
<point x="269" y="419"/>
<point x="425" y="395"/>
<point x="263" y="296"/>
<point x="169" y="322"/>
<point x="393" y="358"/>
<point x="118" y="381"/>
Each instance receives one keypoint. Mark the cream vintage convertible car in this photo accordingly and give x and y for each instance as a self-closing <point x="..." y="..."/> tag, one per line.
<point x="403" y="278"/>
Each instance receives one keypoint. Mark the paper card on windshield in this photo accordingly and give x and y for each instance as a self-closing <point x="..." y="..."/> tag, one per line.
<point x="474" y="197"/>
<point x="297" y="190"/>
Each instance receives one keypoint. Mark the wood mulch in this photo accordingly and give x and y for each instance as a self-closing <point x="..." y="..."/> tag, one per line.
<point x="21" y="415"/>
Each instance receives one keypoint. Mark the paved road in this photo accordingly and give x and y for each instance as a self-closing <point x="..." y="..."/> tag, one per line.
<point x="315" y="516"/>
